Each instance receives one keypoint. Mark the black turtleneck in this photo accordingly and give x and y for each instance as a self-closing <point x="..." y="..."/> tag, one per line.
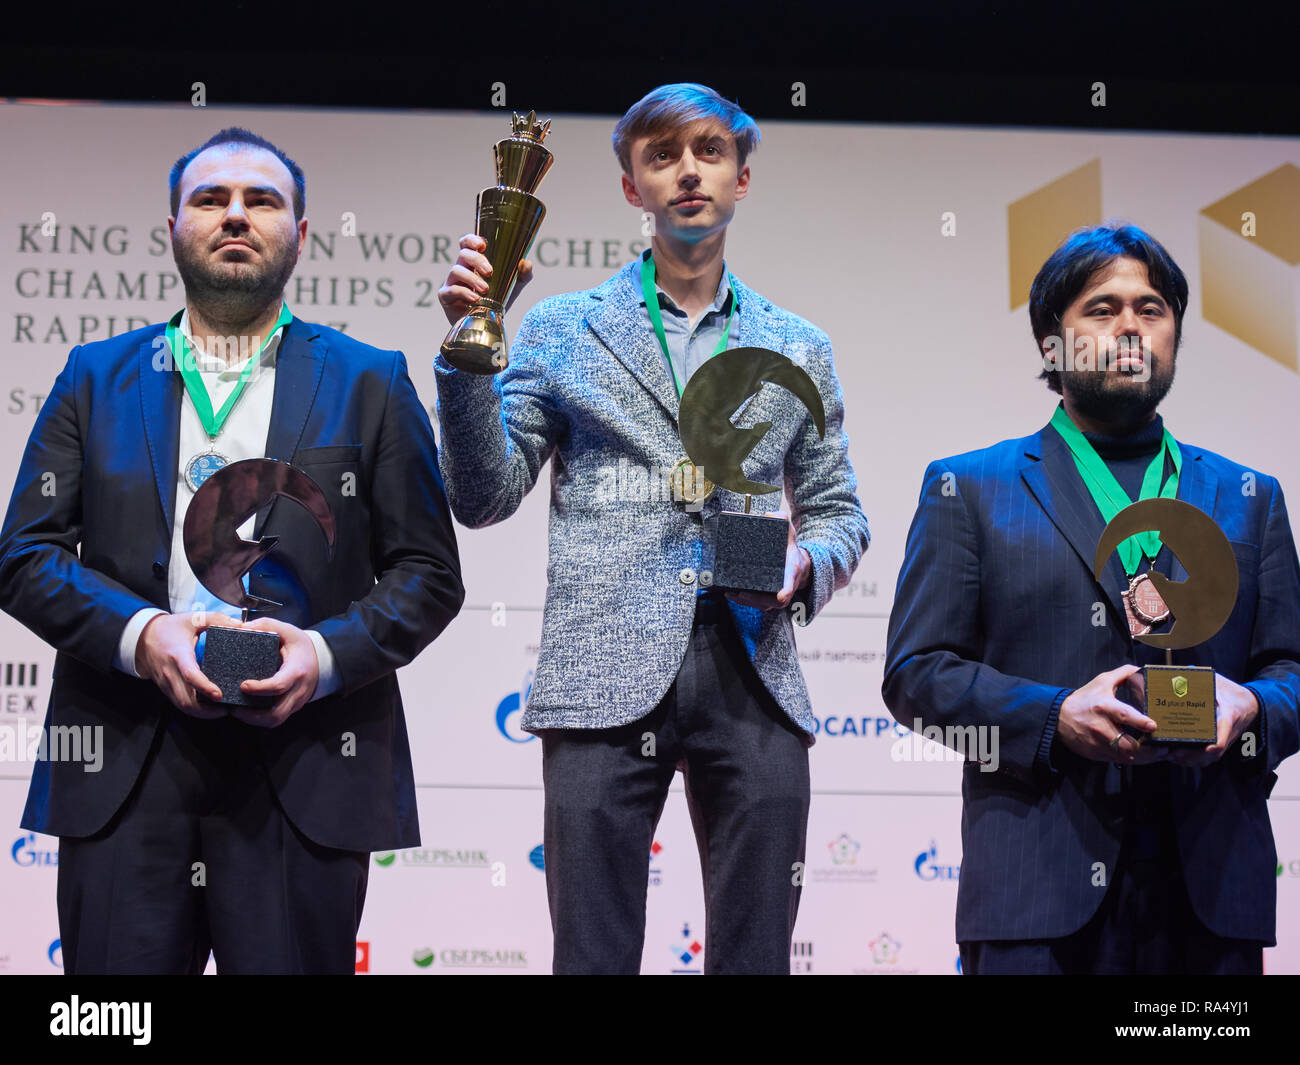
<point x="1128" y="457"/>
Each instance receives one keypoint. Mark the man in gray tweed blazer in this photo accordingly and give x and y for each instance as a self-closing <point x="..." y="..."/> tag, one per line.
<point x="644" y="667"/>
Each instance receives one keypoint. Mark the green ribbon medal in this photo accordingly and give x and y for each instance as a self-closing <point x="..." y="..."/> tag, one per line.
<point x="1144" y="605"/>
<point x="657" y="318"/>
<point x="688" y="480"/>
<point x="204" y="465"/>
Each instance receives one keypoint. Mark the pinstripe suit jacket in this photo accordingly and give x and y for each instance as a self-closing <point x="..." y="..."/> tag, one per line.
<point x="993" y="625"/>
<point x="587" y="386"/>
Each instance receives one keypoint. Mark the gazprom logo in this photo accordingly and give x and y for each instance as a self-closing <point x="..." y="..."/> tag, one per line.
<point x="511" y="705"/>
<point x="928" y="867"/>
<point x="1180" y="686"/>
<point x="25" y="852"/>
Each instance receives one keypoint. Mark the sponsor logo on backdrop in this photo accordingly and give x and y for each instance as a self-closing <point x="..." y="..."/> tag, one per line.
<point x="656" y="874"/>
<point x="5" y="960"/>
<point x="1289" y="868"/>
<point x="27" y="851"/>
<point x="687" y="952"/>
<point x="886" y="958"/>
<point x="18" y="687"/>
<point x="537" y="857"/>
<point x="928" y="866"/>
<point x="470" y="958"/>
<point x="801" y="955"/>
<point x="434" y="858"/>
<point x="884" y="949"/>
<point x="511" y="706"/>
<point x="843" y="853"/>
<point x="363" y="956"/>
<point x="838" y="726"/>
<point x="55" y="953"/>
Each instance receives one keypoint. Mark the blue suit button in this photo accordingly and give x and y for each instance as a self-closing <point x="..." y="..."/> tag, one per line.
<point x="159" y="570"/>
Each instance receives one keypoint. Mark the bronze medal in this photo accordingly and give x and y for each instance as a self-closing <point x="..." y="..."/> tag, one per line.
<point x="1143" y="605"/>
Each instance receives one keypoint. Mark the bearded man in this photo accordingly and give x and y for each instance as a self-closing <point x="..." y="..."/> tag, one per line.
<point x="204" y="826"/>
<point x="1088" y="848"/>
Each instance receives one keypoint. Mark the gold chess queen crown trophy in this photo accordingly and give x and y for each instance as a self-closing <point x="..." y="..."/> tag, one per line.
<point x="507" y="217"/>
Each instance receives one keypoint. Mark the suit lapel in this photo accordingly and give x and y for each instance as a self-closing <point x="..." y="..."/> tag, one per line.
<point x="299" y="363"/>
<point x="1055" y="482"/>
<point x="616" y="318"/>
<point x="160" y="409"/>
<point x="1198" y="486"/>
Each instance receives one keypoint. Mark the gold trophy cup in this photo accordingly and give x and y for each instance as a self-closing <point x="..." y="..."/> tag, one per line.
<point x="507" y="217"/>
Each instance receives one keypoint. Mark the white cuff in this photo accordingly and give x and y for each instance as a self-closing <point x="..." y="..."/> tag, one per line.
<point x="126" y="646"/>
<point x="327" y="680"/>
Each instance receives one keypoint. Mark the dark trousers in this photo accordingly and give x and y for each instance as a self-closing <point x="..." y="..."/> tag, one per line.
<point x="1144" y="926"/>
<point x="746" y="774"/>
<point x="201" y="857"/>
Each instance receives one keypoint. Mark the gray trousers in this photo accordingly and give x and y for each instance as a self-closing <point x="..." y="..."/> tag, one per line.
<point x="745" y="766"/>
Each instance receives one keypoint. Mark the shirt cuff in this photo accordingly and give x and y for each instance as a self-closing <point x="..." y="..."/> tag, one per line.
<point x="126" y="646"/>
<point x="327" y="679"/>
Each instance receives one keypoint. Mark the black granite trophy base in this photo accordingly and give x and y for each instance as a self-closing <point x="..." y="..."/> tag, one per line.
<point x="232" y="656"/>
<point x="750" y="554"/>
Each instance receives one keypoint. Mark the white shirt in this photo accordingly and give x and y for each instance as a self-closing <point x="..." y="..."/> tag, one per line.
<point x="242" y="436"/>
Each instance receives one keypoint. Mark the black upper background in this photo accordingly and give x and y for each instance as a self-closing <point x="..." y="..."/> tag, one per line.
<point x="1227" y="67"/>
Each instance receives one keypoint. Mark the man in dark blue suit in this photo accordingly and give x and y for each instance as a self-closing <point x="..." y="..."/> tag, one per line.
<point x="204" y="827"/>
<point x="1084" y="848"/>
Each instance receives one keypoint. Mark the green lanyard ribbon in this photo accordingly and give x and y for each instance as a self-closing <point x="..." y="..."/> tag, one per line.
<point x="657" y="318"/>
<point x="176" y="341"/>
<point x="1109" y="494"/>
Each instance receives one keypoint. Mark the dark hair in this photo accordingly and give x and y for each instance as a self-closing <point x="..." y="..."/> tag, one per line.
<point x="671" y="106"/>
<point x="1073" y="265"/>
<point x="236" y="135"/>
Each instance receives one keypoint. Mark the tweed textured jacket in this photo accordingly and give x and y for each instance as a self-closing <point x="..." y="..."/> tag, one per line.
<point x="587" y="386"/>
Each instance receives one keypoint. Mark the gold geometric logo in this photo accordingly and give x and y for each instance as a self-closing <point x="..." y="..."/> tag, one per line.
<point x="1037" y="223"/>
<point x="1180" y="686"/>
<point x="1250" y="248"/>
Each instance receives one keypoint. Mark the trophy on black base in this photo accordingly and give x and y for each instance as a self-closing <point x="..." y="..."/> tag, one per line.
<point x="750" y="548"/>
<point x="220" y="557"/>
<point x="1180" y="699"/>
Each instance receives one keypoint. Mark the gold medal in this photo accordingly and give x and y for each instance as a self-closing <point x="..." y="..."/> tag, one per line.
<point x="689" y="483"/>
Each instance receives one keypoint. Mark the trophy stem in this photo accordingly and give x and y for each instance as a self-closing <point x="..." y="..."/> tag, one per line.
<point x="1169" y="656"/>
<point x="748" y="500"/>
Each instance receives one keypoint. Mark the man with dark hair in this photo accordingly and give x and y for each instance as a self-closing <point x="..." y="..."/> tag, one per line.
<point x="643" y="667"/>
<point x="1088" y="849"/>
<point x="237" y="136"/>
<point x="207" y="827"/>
